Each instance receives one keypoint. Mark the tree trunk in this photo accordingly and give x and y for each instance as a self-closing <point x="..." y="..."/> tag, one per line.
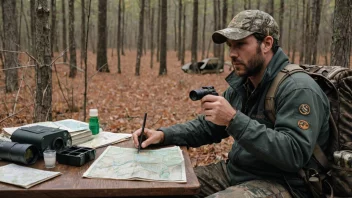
<point x="158" y="33"/>
<point x="53" y="26"/>
<point x="123" y="30"/>
<point x="308" y="31"/>
<point x="317" y="4"/>
<point x="216" y="21"/>
<point x="71" y="24"/>
<point x="140" y="38"/>
<point x="175" y="30"/>
<point x="270" y="8"/>
<point x="163" y="43"/>
<point x="152" y="39"/>
<point x="10" y="42"/>
<point x="83" y="33"/>
<point x="195" y="36"/>
<point x="289" y="32"/>
<point x="119" y="40"/>
<point x="43" y="98"/>
<point x="294" y="43"/>
<point x="281" y="22"/>
<point x="19" y="28"/>
<point x="301" y="54"/>
<point x="33" y="17"/>
<point x="203" y="31"/>
<point x="102" y="59"/>
<point x="64" y="34"/>
<point x="183" y="51"/>
<point x="341" y="38"/>
<point x="179" y="29"/>
<point x="222" y="50"/>
<point x="258" y="4"/>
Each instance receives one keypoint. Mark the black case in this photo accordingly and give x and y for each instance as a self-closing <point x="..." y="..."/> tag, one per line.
<point x="75" y="156"/>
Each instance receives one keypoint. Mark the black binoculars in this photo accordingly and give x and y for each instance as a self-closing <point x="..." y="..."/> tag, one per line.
<point x="200" y="93"/>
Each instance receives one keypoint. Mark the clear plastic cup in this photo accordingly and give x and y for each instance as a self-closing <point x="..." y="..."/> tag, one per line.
<point x="49" y="158"/>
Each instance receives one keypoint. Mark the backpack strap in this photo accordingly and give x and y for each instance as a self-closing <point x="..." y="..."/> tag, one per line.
<point x="270" y="95"/>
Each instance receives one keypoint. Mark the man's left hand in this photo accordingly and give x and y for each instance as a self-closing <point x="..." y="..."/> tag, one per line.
<point x="217" y="110"/>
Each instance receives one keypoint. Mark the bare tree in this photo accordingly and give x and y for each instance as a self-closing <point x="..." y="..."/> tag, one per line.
<point x="158" y="33"/>
<point x="294" y="47"/>
<point x="195" y="36"/>
<point x="317" y="4"/>
<point x="203" y="31"/>
<point x="152" y="38"/>
<point x="140" y="38"/>
<point x="216" y="21"/>
<point x="270" y="7"/>
<point x="10" y="44"/>
<point x="119" y="40"/>
<point x="307" y="42"/>
<point x="123" y="29"/>
<point x="341" y="38"/>
<point x="43" y="98"/>
<point x="102" y="59"/>
<point x="53" y="26"/>
<point x="223" y="24"/>
<point x="183" y="37"/>
<point x="301" y="53"/>
<point x="71" y="24"/>
<point x="163" y="43"/>
<point x="64" y="33"/>
<point x="83" y="33"/>
<point x="179" y="29"/>
<point x="33" y="40"/>
<point x="281" y="21"/>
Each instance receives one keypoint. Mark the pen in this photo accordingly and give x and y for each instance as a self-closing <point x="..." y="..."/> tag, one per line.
<point x="142" y="133"/>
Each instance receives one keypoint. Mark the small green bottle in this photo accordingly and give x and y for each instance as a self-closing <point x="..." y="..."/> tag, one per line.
<point x="93" y="121"/>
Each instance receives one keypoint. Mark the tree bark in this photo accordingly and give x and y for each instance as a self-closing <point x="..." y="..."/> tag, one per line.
<point x="152" y="39"/>
<point x="301" y="54"/>
<point x="179" y="29"/>
<point x="102" y="59"/>
<point x="33" y="17"/>
<point x="222" y="50"/>
<point x="281" y="22"/>
<point x="216" y="21"/>
<point x="43" y="111"/>
<point x="123" y="29"/>
<point x="71" y="24"/>
<point x="53" y="26"/>
<point x="10" y="44"/>
<point x="195" y="36"/>
<point x="307" y="50"/>
<point x="140" y="38"/>
<point x="64" y="33"/>
<point x="183" y="37"/>
<point x="289" y="32"/>
<point x="270" y="8"/>
<point x="119" y="45"/>
<point x="317" y="4"/>
<point x="341" y="38"/>
<point x="203" y="31"/>
<point x="158" y="33"/>
<point x="294" y="43"/>
<point x="163" y="38"/>
<point x="83" y="33"/>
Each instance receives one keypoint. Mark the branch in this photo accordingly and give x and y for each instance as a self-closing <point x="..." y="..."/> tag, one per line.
<point x="15" y="113"/>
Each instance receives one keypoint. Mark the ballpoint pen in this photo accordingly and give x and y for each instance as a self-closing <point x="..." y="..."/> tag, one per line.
<point x="142" y="133"/>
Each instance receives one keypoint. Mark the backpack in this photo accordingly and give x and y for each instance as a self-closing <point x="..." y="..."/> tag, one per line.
<point x="336" y="160"/>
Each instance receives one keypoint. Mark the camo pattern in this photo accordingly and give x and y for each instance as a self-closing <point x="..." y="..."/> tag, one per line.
<point x="215" y="183"/>
<point x="246" y="23"/>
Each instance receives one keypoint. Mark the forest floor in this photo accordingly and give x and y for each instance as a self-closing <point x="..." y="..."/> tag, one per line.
<point x="121" y="99"/>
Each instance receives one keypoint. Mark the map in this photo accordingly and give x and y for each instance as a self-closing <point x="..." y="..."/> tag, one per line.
<point x="165" y="165"/>
<point x="105" y="138"/>
<point x="24" y="176"/>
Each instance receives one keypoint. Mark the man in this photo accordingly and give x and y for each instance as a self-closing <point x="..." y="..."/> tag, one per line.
<point x="265" y="158"/>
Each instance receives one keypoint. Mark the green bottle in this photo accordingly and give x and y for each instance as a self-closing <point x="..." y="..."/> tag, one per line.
<point x="93" y="121"/>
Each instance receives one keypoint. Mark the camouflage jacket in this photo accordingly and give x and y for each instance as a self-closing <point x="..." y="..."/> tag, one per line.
<point x="263" y="150"/>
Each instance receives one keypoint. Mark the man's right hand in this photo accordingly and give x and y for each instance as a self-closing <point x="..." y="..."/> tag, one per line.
<point x="152" y="137"/>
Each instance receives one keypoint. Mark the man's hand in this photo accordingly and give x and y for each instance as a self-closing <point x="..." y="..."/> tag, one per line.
<point x="217" y="110"/>
<point x="152" y="137"/>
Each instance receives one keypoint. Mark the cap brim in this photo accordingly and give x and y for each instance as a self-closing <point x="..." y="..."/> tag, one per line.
<point x="221" y="36"/>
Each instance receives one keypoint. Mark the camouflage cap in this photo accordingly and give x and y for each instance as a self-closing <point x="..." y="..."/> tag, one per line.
<point x="246" y="23"/>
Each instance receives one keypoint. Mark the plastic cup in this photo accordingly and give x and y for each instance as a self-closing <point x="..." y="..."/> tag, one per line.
<point x="49" y="158"/>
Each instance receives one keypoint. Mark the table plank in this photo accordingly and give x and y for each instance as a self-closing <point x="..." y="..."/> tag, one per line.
<point x="72" y="184"/>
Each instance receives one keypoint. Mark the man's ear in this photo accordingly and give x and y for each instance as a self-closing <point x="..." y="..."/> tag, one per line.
<point x="267" y="44"/>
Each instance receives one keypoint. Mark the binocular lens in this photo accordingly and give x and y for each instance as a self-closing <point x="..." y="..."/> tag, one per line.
<point x="196" y="95"/>
<point x="58" y="144"/>
<point x="22" y="153"/>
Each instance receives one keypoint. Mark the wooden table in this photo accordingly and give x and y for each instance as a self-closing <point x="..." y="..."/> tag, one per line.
<point x="72" y="184"/>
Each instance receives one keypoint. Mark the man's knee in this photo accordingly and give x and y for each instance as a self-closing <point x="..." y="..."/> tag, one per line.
<point x="255" y="188"/>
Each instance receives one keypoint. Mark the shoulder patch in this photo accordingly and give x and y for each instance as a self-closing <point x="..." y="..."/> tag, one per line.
<point x="304" y="109"/>
<point x="303" y="124"/>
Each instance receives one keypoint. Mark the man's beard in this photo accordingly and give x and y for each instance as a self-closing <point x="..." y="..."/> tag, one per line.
<point x="255" y="64"/>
